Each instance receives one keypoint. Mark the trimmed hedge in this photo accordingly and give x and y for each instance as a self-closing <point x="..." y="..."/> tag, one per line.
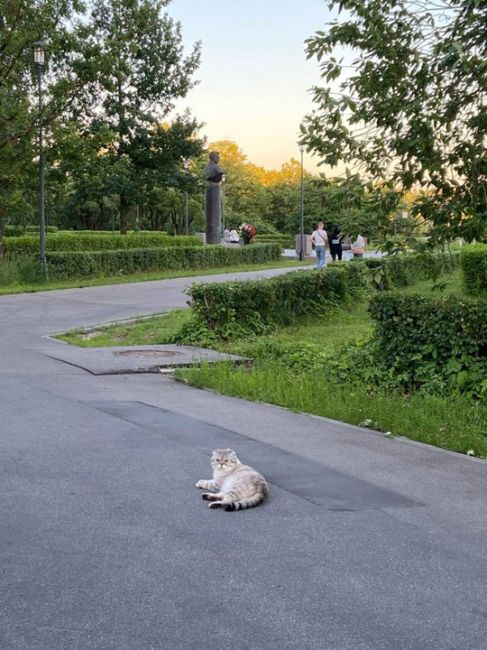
<point x="473" y="262"/>
<point x="432" y="341"/>
<point x="67" y="265"/>
<point x="252" y="306"/>
<point x="111" y="232"/>
<point x="286" y="241"/>
<point x="70" y="242"/>
<point x="19" y="231"/>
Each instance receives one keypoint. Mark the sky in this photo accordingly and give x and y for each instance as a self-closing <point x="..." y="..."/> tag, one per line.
<point x="254" y="78"/>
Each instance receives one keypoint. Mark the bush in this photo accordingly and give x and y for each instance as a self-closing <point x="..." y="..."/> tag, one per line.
<point x="233" y="308"/>
<point x="394" y="271"/>
<point x="66" y="265"/>
<point x="286" y="241"/>
<point x="72" y="242"/>
<point x="18" y="231"/>
<point x="21" y="270"/>
<point x="429" y="342"/>
<point x="473" y="262"/>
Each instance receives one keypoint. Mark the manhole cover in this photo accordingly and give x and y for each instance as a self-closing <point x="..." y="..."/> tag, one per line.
<point x="146" y="354"/>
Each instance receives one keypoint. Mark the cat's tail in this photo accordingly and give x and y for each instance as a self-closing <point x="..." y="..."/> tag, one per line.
<point x="251" y="502"/>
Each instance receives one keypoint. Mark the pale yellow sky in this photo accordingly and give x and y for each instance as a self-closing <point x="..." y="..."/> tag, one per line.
<point x="254" y="77"/>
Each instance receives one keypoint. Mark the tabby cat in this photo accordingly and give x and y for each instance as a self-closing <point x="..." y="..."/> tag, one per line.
<point x="235" y="486"/>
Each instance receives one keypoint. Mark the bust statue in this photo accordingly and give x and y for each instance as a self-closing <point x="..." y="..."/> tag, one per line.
<point x="214" y="178"/>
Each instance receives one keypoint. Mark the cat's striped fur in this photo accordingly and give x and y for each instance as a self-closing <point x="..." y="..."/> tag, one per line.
<point x="234" y="486"/>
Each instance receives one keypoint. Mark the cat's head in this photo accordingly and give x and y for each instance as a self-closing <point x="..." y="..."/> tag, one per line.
<point x="224" y="460"/>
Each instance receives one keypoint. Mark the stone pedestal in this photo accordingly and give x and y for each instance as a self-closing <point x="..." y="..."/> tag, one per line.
<point x="307" y="245"/>
<point x="213" y="214"/>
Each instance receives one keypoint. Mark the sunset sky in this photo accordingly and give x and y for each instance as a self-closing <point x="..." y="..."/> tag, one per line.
<point x="254" y="76"/>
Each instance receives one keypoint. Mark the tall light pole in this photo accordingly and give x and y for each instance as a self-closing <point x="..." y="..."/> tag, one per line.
<point x="186" y="164"/>
<point x="38" y="49"/>
<point x="301" y="230"/>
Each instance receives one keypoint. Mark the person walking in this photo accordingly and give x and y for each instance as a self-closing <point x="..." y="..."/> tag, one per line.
<point x="336" y="243"/>
<point x="319" y="239"/>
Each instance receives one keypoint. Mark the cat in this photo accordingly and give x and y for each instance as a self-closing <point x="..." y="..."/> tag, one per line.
<point x="235" y="486"/>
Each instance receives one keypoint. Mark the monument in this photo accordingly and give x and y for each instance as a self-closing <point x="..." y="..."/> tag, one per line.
<point x="214" y="178"/>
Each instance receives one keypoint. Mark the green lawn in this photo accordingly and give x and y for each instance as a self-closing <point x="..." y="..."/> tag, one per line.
<point x="142" y="277"/>
<point x="146" y="331"/>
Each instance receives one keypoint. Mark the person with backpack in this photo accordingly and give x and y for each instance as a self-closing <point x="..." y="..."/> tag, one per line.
<point x="336" y="243"/>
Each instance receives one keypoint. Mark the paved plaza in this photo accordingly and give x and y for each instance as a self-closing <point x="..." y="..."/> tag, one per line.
<point x="366" y="542"/>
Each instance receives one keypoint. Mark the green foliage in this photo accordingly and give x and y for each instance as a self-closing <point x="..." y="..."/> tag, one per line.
<point x="286" y="241"/>
<point x="473" y="262"/>
<point x="428" y="343"/>
<point x="74" y="242"/>
<point x="402" y="270"/>
<point x="21" y="270"/>
<point x="234" y="308"/>
<point x="65" y="265"/>
<point x="411" y="113"/>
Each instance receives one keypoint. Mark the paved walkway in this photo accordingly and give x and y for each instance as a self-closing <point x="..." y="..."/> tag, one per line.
<point x="366" y="543"/>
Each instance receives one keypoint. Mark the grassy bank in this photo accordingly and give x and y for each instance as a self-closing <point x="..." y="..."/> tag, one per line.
<point x="290" y="369"/>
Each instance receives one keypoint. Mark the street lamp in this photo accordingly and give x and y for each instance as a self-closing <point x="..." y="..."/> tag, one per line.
<point x="301" y="232"/>
<point x="38" y="50"/>
<point x="186" y="164"/>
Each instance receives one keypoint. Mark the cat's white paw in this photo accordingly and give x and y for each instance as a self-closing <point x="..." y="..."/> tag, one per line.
<point x="200" y="484"/>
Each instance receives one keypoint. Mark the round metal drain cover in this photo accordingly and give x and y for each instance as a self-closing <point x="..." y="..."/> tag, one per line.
<point x="146" y="354"/>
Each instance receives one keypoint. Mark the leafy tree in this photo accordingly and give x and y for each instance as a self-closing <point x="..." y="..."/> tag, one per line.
<point x="412" y="113"/>
<point x="141" y="72"/>
<point x="22" y="22"/>
<point x="245" y="196"/>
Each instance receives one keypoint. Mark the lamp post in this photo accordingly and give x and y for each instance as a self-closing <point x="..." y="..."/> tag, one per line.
<point x="38" y="50"/>
<point x="301" y="230"/>
<point x="186" y="164"/>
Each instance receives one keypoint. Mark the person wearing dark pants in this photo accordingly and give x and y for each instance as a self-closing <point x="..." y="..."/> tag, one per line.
<point x="336" y="243"/>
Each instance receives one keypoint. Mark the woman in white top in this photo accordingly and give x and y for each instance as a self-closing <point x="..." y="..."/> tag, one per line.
<point x="358" y="246"/>
<point x="319" y="239"/>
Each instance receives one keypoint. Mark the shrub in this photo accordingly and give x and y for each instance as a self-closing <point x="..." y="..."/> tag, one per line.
<point x="65" y="265"/>
<point x="286" y="241"/>
<point x="394" y="271"/>
<point x="233" y="308"/>
<point x="473" y="262"/>
<point x="72" y="242"/>
<point x="20" y="270"/>
<point x="18" y="231"/>
<point x="429" y="342"/>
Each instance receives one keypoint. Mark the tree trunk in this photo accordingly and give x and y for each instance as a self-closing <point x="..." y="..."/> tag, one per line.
<point x="2" y="231"/>
<point x="124" y="209"/>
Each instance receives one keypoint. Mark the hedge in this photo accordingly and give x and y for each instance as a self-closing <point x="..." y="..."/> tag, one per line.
<point x="403" y="270"/>
<point x="286" y="241"/>
<point x="473" y="262"/>
<point x="111" y="232"/>
<point x="19" y="231"/>
<point x="425" y="340"/>
<point x="66" y="265"/>
<point x="253" y="306"/>
<point x="70" y="242"/>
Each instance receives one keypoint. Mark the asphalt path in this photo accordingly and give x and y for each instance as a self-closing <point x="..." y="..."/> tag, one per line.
<point x="366" y="542"/>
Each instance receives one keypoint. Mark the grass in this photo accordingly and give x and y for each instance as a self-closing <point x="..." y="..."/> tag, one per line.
<point x="7" y="288"/>
<point x="451" y="422"/>
<point x="154" y="330"/>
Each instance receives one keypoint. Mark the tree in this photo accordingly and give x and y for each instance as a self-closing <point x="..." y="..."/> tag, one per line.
<point x="22" y="22"/>
<point x="141" y="72"/>
<point x="413" y="112"/>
